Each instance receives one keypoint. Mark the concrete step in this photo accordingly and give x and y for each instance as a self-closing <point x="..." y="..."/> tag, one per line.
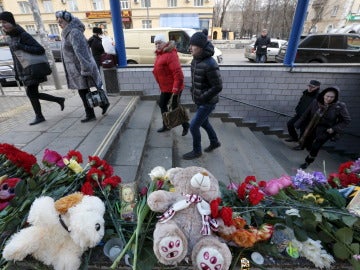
<point x="127" y="150"/>
<point x="290" y="159"/>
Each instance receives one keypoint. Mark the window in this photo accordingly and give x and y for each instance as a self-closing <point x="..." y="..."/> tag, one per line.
<point x="334" y="11"/>
<point x="24" y="7"/>
<point x="336" y="42"/>
<point x="320" y="41"/>
<point x="73" y="6"/>
<point x="98" y="4"/>
<point x="145" y="3"/>
<point x="30" y="29"/>
<point x="353" y="43"/>
<point x="124" y="4"/>
<point x="146" y="23"/>
<point x="182" y="41"/>
<point x="48" y="7"/>
<point x="198" y="3"/>
<point x="172" y="3"/>
<point x="54" y="29"/>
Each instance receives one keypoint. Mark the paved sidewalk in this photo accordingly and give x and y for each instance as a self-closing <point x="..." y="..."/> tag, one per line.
<point x="62" y="130"/>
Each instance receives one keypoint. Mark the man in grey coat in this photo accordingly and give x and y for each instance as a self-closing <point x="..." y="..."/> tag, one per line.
<point x="80" y="68"/>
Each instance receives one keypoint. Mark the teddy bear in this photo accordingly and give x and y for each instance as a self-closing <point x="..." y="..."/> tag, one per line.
<point x="7" y="190"/>
<point x="185" y="227"/>
<point x="60" y="231"/>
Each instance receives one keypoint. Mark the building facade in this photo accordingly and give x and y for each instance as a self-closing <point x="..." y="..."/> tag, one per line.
<point x="197" y="14"/>
<point x="331" y="15"/>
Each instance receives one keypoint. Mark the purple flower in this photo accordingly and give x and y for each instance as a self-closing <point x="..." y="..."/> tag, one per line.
<point x="302" y="179"/>
<point x="355" y="168"/>
<point x="319" y="178"/>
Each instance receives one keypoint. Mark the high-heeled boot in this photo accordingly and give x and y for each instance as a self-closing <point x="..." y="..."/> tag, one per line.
<point x="308" y="160"/>
<point x="37" y="109"/>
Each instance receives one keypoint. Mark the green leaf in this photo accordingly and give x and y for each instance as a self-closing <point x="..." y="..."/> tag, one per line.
<point x="334" y="196"/>
<point x="345" y="235"/>
<point x="324" y="237"/>
<point x="300" y="234"/>
<point x="32" y="184"/>
<point x="349" y="220"/>
<point x="355" y="247"/>
<point x="20" y="189"/>
<point x="355" y="264"/>
<point x="341" y="252"/>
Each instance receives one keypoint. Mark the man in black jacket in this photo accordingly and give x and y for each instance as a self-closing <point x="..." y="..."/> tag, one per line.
<point x="96" y="46"/>
<point x="306" y="99"/>
<point x="205" y="89"/>
<point x="260" y="46"/>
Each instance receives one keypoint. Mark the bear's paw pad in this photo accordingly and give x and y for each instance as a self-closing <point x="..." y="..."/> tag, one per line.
<point x="209" y="259"/>
<point x="171" y="247"/>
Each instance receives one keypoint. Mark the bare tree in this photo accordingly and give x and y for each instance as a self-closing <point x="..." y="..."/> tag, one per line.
<point x="220" y="11"/>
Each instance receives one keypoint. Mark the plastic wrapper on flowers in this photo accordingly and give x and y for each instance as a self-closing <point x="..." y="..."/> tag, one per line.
<point x="55" y="176"/>
<point x="308" y="204"/>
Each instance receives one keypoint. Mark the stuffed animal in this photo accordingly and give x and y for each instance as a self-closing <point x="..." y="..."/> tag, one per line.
<point x="60" y="231"/>
<point x="7" y="190"/>
<point x="185" y="227"/>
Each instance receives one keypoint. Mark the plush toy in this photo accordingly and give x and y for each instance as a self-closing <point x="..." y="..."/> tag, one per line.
<point x="61" y="231"/>
<point x="185" y="227"/>
<point x="7" y="190"/>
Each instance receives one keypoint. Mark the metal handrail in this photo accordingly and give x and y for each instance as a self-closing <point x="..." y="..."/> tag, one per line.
<point x="256" y="106"/>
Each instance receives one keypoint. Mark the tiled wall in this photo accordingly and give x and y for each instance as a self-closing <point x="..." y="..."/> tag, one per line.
<point x="270" y="86"/>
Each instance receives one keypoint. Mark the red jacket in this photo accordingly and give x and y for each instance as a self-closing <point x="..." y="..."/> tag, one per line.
<point x="167" y="70"/>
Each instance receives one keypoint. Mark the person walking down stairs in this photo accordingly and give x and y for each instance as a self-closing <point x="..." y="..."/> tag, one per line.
<point x="20" y="40"/>
<point x="325" y="119"/>
<point x="205" y="89"/>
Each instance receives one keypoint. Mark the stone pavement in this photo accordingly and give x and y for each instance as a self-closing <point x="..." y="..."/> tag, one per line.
<point x="62" y="130"/>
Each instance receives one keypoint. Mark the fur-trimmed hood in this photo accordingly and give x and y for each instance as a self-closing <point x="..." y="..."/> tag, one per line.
<point x="74" y="23"/>
<point x="335" y="89"/>
<point x="170" y="46"/>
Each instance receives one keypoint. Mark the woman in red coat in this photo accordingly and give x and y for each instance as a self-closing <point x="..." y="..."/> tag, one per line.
<point x="168" y="74"/>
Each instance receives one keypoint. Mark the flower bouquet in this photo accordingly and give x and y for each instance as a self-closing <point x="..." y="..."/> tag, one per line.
<point x="56" y="177"/>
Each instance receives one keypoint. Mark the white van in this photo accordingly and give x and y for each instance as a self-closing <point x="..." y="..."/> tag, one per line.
<point x="140" y="47"/>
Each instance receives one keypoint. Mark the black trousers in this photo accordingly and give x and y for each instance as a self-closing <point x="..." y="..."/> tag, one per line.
<point x="291" y="127"/>
<point x="88" y="110"/>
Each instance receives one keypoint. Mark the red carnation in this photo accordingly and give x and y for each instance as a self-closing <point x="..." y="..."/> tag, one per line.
<point x="226" y="215"/>
<point x="113" y="181"/>
<point x="255" y="196"/>
<point x="87" y="189"/>
<point x="72" y="154"/>
<point x="241" y="192"/>
<point x="214" y="206"/>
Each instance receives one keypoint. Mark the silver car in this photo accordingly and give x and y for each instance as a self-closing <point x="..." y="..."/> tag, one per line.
<point x="272" y="50"/>
<point x="7" y="73"/>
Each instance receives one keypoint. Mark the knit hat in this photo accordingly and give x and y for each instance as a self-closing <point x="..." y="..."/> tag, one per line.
<point x="199" y="39"/>
<point x="159" y="37"/>
<point x="314" y="83"/>
<point x="7" y="17"/>
<point x="97" y="30"/>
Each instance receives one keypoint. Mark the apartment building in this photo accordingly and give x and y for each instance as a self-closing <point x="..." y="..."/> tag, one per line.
<point x="328" y="15"/>
<point x="196" y="14"/>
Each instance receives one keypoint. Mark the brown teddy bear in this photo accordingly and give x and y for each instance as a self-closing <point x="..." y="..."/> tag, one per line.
<point x="185" y="227"/>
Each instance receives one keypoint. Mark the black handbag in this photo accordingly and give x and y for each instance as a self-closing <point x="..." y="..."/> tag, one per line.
<point x="97" y="97"/>
<point x="36" y="65"/>
<point x="175" y="117"/>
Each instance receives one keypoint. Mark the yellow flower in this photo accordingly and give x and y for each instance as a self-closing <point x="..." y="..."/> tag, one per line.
<point x="73" y="165"/>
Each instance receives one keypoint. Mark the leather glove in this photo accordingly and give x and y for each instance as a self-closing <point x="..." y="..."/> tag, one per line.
<point x="175" y="101"/>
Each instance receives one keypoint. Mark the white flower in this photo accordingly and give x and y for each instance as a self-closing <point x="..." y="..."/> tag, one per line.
<point x="292" y="212"/>
<point x="157" y="173"/>
<point x="312" y="250"/>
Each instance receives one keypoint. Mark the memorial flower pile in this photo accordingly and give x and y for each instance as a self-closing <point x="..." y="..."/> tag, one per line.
<point x="307" y="215"/>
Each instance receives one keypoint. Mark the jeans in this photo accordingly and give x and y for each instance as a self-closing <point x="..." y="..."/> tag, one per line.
<point x="260" y="58"/>
<point x="201" y="119"/>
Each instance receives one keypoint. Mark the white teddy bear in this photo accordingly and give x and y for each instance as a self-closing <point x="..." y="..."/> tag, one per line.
<point x="61" y="231"/>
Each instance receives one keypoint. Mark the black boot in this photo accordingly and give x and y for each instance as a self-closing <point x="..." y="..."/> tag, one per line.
<point x="308" y="161"/>
<point x="37" y="109"/>
<point x="89" y="111"/>
<point x="186" y="127"/>
<point x="59" y="100"/>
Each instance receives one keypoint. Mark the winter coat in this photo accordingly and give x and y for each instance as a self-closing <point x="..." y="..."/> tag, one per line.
<point x="306" y="99"/>
<point x="79" y="64"/>
<point x="336" y="115"/>
<point x="261" y="44"/>
<point x="167" y="70"/>
<point x="21" y="40"/>
<point x="97" y="48"/>
<point x="205" y="77"/>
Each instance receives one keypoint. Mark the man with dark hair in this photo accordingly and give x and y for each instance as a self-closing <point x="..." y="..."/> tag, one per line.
<point x="95" y="43"/>
<point x="306" y="99"/>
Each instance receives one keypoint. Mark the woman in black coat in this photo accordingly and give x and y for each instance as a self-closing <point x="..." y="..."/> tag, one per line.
<point x="325" y="118"/>
<point x="21" y="40"/>
<point x="96" y="46"/>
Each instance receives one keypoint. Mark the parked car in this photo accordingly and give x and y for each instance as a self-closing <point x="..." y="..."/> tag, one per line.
<point x="326" y="48"/>
<point x="7" y="73"/>
<point x="272" y="50"/>
<point x="55" y="47"/>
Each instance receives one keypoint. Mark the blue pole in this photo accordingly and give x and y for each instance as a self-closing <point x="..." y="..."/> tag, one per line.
<point x="118" y="32"/>
<point x="297" y="27"/>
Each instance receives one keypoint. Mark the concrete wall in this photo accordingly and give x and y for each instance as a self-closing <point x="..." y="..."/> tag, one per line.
<point x="271" y="86"/>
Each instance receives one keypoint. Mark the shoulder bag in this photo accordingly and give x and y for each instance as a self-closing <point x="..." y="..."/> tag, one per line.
<point x="37" y="65"/>
<point x="97" y="97"/>
<point x="175" y="117"/>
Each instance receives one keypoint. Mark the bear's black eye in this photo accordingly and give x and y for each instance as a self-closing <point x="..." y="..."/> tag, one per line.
<point x="5" y="187"/>
<point x="97" y="226"/>
<point x="11" y="190"/>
